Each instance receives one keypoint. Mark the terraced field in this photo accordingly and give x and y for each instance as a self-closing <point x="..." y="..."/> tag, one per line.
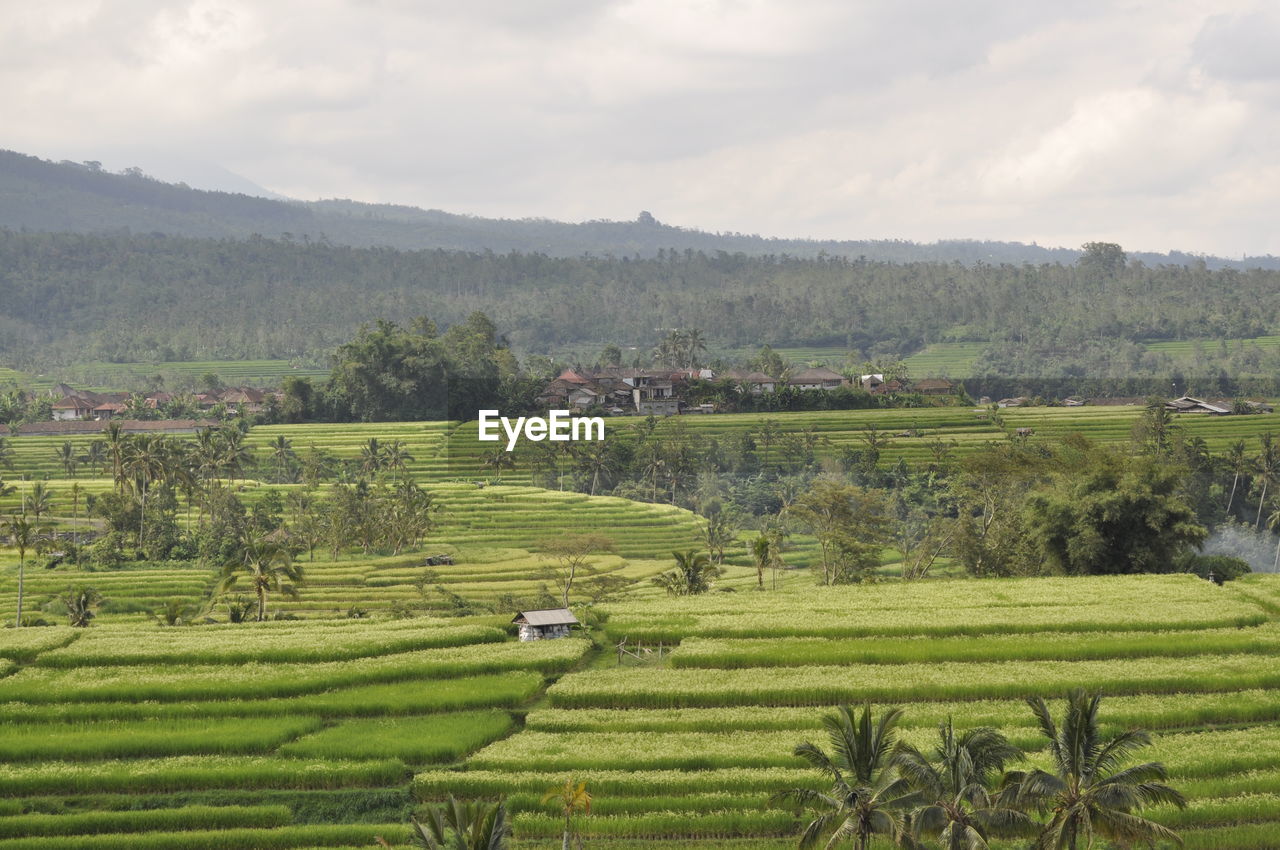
<point x="129" y="735"/>
<point x="689" y="749"/>
<point x="489" y="531"/>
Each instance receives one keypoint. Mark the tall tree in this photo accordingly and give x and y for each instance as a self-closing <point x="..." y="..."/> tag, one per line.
<point x="867" y="795"/>
<point x="849" y="523"/>
<point x="1117" y="515"/>
<point x="268" y="567"/>
<point x="569" y="799"/>
<point x="1091" y="791"/>
<point x="572" y="556"/>
<point x="960" y="807"/>
<point x="694" y="574"/>
<point x="23" y="535"/>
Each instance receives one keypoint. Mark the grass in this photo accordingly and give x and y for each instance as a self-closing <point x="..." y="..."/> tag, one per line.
<point x="1063" y="646"/>
<point x="416" y="740"/>
<point x="149" y="738"/>
<point x="207" y="682"/>
<point x="185" y="773"/>
<point x="499" y="690"/>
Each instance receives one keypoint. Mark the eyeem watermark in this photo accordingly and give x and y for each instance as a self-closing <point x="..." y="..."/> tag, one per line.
<point x="558" y="427"/>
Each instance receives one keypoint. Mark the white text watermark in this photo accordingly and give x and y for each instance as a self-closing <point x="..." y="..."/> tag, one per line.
<point x="558" y="427"/>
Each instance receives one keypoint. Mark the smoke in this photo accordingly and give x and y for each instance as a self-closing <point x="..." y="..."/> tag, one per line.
<point x="1258" y="548"/>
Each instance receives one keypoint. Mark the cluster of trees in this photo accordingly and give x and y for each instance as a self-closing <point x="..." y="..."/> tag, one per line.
<point x="961" y="794"/>
<point x="262" y="298"/>
<point x="1013" y="507"/>
<point x="372" y="505"/>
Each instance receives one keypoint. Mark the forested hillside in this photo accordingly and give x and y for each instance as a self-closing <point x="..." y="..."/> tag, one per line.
<point x="39" y="195"/>
<point x="153" y="297"/>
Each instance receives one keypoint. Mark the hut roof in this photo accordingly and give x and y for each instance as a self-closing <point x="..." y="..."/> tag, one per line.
<point x="546" y="617"/>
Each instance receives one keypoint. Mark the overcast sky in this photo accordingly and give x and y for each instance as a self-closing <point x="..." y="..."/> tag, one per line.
<point x="1151" y="124"/>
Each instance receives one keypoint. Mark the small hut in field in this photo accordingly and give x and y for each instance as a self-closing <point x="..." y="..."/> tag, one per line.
<point x="545" y="624"/>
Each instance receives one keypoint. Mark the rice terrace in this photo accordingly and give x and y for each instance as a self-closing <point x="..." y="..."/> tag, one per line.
<point x="391" y="685"/>
<point x="639" y="426"/>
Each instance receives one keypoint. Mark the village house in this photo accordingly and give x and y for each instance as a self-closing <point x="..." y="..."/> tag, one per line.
<point x="756" y="383"/>
<point x="933" y="386"/>
<point x="82" y="404"/>
<point x="545" y="624"/>
<point x="877" y="385"/>
<point x="1215" y="407"/>
<point x="817" y="378"/>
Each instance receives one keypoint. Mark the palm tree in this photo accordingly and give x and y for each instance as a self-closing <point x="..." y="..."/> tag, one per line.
<point x="23" y="534"/>
<point x="498" y="460"/>
<point x="66" y="455"/>
<point x="76" y="490"/>
<point x="570" y="800"/>
<point x="397" y="458"/>
<point x="281" y="449"/>
<point x="963" y="813"/>
<point x="1273" y="525"/>
<point x="765" y="552"/>
<point x="6" y="454"/>
<point x="234" y="454"/>
<point x="268" y="566"/>
<point x="1238" y="463"/>
<point x="371" y="457"/>
<point x="115" y="447"/>
<point x="694" y="574"/>
<point x="598" y="459"/>
<point x="38" y="501"/>
<point x="144" y="463"/>
<point x="454" y="825"/>
<point x="95" y="456"/>
<point x="81" y="603"/>
<point x="866" y="793"/>
<point x="1267" y="465"/>
<point x="1090" y="792"/>
<point x="770" y="431"/>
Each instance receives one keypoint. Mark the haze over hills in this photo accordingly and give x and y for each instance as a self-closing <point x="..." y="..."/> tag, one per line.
<point x="44" y="196"/>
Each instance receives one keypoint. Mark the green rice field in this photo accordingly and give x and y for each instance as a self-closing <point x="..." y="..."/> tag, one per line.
<point x="329" y="729"/>
<point x="328" y="732"/>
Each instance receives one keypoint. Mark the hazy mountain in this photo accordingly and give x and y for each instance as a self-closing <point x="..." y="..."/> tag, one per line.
<point x="44" y="196"/>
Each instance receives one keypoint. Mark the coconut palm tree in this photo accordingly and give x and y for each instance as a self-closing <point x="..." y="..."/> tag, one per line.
<point x="95" y="456"/>
<point x="454" y="825"/>
<point x="23" y="534"/>
<point x="1090" y="792"/>
<point x="6" y="454"/>
<point x="1267" y="465"/>
<point x="82" y="603"/>
<point x="281" y="450"/>
<point x="38" y="501"/>
<point x="372" y="457"/>
<point x="234" y="454"/>
<point x="498" y="460"/>
<point x="115" y="446"/>
<point x="868" y="795"/>
<point x="694" y="574"/>
<point x="570" y="799"/>
<point x="397" y="458"/>
<point x="1238" y="463"/>
<point x="66" y="455"/>
<point x="268" y="566"/>
<point x="963" y="813"/>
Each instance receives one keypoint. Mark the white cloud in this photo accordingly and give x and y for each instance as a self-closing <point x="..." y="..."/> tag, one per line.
<point x="1147" y="123"/>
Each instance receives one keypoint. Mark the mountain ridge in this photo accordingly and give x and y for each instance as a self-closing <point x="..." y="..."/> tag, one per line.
<point x="65" y="197"/>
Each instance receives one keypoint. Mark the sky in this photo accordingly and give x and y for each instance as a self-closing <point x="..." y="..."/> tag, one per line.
<point x="1151" y="124"/>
